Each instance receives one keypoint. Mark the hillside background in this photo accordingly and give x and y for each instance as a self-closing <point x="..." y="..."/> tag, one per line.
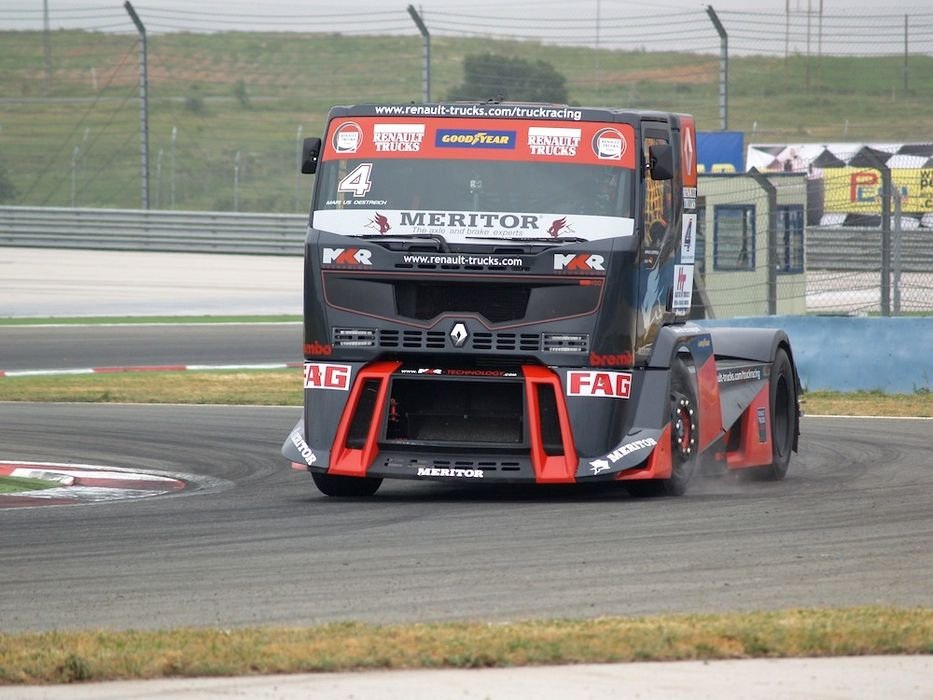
<point x="238" y="101"/>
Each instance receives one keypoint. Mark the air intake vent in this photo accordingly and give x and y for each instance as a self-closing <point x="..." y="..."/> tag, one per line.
<point x="412" y="339"/>
<point x="507" y="342"/>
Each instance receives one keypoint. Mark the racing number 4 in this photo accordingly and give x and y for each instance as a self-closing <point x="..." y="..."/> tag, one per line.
<point x="358" y="181"/>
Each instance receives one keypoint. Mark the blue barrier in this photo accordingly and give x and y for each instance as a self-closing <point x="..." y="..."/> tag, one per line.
<point x="841" y="353"/>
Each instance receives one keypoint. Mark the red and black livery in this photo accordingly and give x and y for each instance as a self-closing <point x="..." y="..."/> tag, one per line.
<point x="502" y="293"/>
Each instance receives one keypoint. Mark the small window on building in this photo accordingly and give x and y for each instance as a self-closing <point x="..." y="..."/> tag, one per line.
<point x="734" y="237"/>
<point x="790" y="239"/>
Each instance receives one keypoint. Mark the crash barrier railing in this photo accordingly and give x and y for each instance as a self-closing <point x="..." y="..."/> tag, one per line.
<point x="844" y="265"/>
<point x="164" y="231"/>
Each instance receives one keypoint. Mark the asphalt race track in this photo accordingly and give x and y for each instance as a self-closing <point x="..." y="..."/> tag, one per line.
<point x="76" y="347"/>
<point x="852" y="524"/>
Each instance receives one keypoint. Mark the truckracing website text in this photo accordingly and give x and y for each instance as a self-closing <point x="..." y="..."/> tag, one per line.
<point x="514" y="111"/>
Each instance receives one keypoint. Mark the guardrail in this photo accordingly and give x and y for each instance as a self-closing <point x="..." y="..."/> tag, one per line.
<point x="164" y="231"/>
<point x="860" y="249"/>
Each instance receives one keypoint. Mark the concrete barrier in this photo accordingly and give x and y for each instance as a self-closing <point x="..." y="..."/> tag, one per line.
<point x="841" y="353"/>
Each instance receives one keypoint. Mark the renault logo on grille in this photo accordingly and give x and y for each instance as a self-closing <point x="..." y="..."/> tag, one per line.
<point x="459" y="334"/>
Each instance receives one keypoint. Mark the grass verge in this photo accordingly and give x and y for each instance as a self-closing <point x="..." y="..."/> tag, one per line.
<point x="64" y="657"/>
<point x="13" y="484"/>
<point x="283" y="387"/>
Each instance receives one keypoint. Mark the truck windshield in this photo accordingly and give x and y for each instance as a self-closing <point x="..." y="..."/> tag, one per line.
<point x="466" y="189"/>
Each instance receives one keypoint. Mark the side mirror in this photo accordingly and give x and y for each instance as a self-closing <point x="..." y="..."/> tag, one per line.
<point x="310" y="151"/>
<point x="661" y="161"/>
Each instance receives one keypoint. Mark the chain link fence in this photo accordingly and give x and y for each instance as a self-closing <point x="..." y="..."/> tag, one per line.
<point x="231" y="94"/>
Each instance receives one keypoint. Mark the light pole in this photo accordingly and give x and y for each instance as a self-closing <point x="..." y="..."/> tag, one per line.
<point x="298" y="167"/>
<point x="174" y="134"/>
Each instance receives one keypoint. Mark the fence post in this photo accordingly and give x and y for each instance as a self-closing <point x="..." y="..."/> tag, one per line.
<point x="874" y="162"/>
<point x="426" y="53"/>
<point x="723" y="68"/>
<point x="143" y="102"/>
<point x="771" y="261"/>
<point x="897" y="253"/>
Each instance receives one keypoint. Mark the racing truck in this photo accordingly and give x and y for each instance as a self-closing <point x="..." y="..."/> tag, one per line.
<point x="501" y="292"/>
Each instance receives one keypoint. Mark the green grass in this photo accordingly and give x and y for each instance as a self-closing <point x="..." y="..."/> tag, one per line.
<point x="100" y="655"/>
<point x="193" y="87"/>
<point x="282" y="387"/>
<point x="14" y="484"/>
<point x="136" y="320"/>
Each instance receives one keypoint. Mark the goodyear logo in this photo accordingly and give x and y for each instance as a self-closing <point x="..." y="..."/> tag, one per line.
<point x="471" y="138"/>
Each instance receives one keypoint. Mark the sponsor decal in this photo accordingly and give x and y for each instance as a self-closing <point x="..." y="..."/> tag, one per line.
<point x="455" y="472"/>
<point x="319" y="375"/>
<point x="683" y="289"/>
<point x="559" y="226"/>
<point x="346" y="256"/>
<point x="473" y="138"/>
<point x="762" y="425"/>
<point x="395" y="138"/>
<point x="579" y="262"/>
<point x="704" y="342"/>
<point x="306" y="454"/>
<point x="688" y="239"/>
<point x="497" y="373"/>
<point x="688" y="154"/>
<point x="751" y="374"/>
<point x="460" y="259"/>
<point x="609" y="144"/>
<point x="614" y="385"/>
<point x="599" y="465"/>
<point x="553" y="141"/>
<point x="467" y="226"/>
<point x="630" y="447"/>
<point x="348" y="137"/>
<point x="380" y="222"/>
<point x="317" y="348"/>
<point x="624" y="359"/>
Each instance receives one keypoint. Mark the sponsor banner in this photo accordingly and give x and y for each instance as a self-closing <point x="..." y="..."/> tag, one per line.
<point x="453" y="372"/>
<point x="398" y="138"/>
<point x="598" y="466"/>
<point x="466" y="226"/>
<point x="614" y="385"/>
<point x="591" y="143"/>
<point x="688" y="239"/>
<point x="683" y="289"/>
<point x="721" y="151"/>
<point x="351" y="257"/>
<point x="462" y="260"/>
<point x="320" y="375"/>
<point x="579" y="262"/>
<point x="451" y="472"/>
<point x="858" y="190"/>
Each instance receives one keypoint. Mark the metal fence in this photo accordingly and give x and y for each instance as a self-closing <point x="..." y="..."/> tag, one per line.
<point x="164" y="231"/>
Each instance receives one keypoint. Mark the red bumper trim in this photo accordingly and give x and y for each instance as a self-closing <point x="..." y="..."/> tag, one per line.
<point x="549" y="469"/>
<point x="347" y="461"/>
<point x="752" y="451"/>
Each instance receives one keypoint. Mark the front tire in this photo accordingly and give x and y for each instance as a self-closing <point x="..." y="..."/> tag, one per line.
<point x="685" y="431"/>
<point x="346" y="486"/>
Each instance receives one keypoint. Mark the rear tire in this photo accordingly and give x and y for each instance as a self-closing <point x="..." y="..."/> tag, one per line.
<point x="346" y="486"/>
<point x="783" y="416"/>
<point x="685" y="430"/>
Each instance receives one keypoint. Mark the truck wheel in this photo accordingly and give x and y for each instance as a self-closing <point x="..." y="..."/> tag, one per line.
<point x="783" y="415"/>
<point x="346" y="486"/>
<point x="685" y="430"/>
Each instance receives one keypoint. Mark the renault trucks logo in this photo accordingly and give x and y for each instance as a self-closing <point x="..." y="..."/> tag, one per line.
<point x="609" y="144"/>
<point x="613" y="385"/>
<point x="347" y="137"/>
<point x="346" y="256"/>
<point x="459" y="334"/>
<point x="548" y="141"/>
<point x="398" y="137"/>
<point x="319" y="375"/>
<point x="471" y="138"/>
